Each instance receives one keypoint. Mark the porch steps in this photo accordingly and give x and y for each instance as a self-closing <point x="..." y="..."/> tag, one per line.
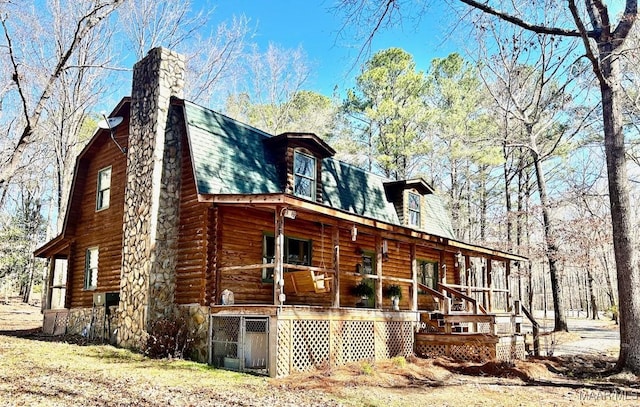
<point x="433" y="322"/>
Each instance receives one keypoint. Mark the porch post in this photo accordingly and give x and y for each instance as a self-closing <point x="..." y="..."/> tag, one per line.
<point x="507" y="273"/>
<point x="414" y="277"/>
<point x="489" y="285"/>
<point x="336" y="267"/>
<point x="379" y="272"/>
<point x="48" y="284"/>
<point x="467" y="267"/>
<point x="443" y="267"/>
<point x="483" y="282"/>
<point x="278" y="254"/>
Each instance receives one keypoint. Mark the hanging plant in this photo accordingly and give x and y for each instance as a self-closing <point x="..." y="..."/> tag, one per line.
<point x="393" y="290"/>
<point x="363" y="289"/>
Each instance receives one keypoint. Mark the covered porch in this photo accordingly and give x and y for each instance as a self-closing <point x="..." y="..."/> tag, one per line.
<point x="455" y="297"/>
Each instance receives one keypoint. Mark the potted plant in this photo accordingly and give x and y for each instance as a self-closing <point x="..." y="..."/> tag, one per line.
<point x="362" y="290"/>
<point x="394" y="292"/>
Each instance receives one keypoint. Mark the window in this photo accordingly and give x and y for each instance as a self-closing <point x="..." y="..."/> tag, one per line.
<point x="428" y="273"/>
<point x="414" y="209"/>
<point x="296" y="251"/>
<point x="368" y="266"/>
<point x="368" y="263"/>
<point x="104" y="189"/>
<point x="304" y="175"/>
<point x="91" y="269"/>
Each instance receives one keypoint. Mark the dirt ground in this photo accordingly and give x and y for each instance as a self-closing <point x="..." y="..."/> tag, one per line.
<point x="38" y="370"/>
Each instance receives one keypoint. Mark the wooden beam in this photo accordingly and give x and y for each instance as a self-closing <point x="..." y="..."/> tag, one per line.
<point x="443" y="269"/>
<point x="398" y="279"/>
<point x="379" y="272"/>
<point x="215" y="212"/>
<point x="414" y="278"/>
<point x="398" y="231"/>
<point x="433" y="292"/>
<point x="507" y="273"/>
<point x="278" y="254"/>
<point x="457" y="339"/>
<point x="336" y="267"/>
<point x="489" y="285"/>
<point x="445" y="288"/>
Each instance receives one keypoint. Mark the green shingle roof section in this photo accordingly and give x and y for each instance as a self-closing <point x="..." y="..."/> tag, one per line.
<point x="354" y="190"/>
<point x="437" y="220"/>
<point x="228" y="156"/>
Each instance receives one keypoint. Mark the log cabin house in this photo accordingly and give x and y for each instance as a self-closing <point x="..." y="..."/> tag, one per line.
<point x="259" y="241"/>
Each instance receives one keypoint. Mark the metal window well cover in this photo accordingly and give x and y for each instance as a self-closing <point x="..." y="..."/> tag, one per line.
<point x="240" y="343"/>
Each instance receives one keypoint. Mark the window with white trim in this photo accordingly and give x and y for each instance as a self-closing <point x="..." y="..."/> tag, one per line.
<point x="304" y="175"/>
<point x="103" y="194"/>
<point x="413" y="204"/>
<point x="91" y="269"/>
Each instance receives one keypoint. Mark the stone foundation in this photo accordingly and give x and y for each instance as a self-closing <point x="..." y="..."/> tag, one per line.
<point x="197" y="318"/>
<point x="91" y="323"/>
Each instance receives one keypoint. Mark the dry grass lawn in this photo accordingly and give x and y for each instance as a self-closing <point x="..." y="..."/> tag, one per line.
<point x="35" y="371"/>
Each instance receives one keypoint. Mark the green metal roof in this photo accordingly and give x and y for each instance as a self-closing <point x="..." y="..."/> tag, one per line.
<point x="357" y="191"/>
<point x="438" y="221"/>
<point x="230" y="157"/>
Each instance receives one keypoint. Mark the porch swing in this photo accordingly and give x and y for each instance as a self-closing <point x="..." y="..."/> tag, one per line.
<point x="308" y="280"/>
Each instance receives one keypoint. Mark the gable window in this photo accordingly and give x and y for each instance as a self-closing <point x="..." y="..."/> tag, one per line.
<point x="304" y="175"/>
<point x="91" y="269"/>
<point x="428" y="273"/>
<point x="414" y="209"/>
<point x="296" y="251"/>
<point x="104" y="189"/>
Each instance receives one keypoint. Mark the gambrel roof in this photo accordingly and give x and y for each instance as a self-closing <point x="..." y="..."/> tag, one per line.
<point x="230" y="157"/>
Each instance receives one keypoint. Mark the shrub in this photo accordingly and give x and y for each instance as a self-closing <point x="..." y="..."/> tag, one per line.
<point x="366" y="368"/>
<point x="399" y="361"/>
<point x="169" y="338"/>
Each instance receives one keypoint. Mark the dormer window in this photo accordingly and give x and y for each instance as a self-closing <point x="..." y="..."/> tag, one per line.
<point x="299" y="159"/>
<point x="413" y="204"/>
<point x="304" y="175"/>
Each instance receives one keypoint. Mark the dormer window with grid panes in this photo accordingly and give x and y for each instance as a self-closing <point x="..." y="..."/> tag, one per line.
<point x="304" y="175"/>
<point x="413" y="205"/>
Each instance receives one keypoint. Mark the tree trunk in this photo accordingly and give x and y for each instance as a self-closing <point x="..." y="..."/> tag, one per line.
<point x="560" y="322"/>
<point x="592" y="295"/>
<point x="610" y="294"/>
<point x="625" y="252"/>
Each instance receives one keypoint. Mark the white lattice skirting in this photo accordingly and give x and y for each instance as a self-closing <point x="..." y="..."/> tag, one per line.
<point x="305" y="344"/>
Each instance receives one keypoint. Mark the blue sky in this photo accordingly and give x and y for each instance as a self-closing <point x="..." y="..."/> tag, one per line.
<point x="311" y="24"/>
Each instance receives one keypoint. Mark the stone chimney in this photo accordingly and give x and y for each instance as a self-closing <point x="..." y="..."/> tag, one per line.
<point x="151" y="200"/>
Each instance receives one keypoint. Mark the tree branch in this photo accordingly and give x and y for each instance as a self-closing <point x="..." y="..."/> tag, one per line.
<point x="587" y="44"/>
<point x="540" y="29"/>
<point x="626" y="22"/>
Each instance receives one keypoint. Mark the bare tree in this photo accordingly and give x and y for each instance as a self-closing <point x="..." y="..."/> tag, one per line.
<point x="35" y="72"/>
<point x="275" y="77"/>
<point x="211" y="56"/>
<point x="68" y="117"/>
<point x="604" y="42"/>
<point x="524" y="79"/>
